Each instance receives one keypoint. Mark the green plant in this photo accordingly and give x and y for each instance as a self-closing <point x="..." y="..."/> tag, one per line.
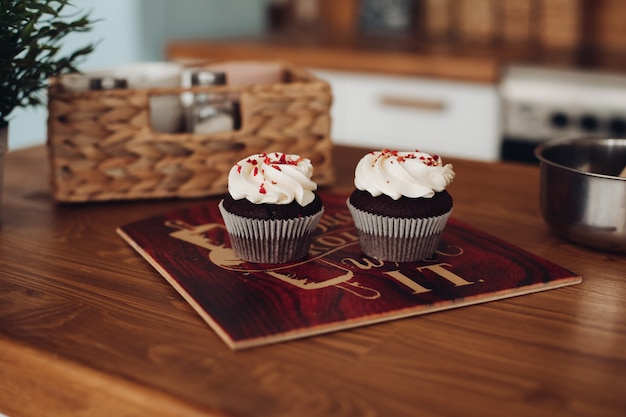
<point x="31" y="32"/>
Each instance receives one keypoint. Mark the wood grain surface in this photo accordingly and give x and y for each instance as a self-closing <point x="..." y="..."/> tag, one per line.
<point x="88" y="328"/>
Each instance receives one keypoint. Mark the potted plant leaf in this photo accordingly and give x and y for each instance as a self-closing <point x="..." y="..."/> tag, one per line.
<point x="31" y="38"/>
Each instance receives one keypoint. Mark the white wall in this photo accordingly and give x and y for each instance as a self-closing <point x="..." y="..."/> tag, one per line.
<point x="136" y="30"/>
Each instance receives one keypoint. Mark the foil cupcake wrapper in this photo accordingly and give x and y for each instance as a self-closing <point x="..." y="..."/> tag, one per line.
<point x="270" y="241"/>
<point x="398" y="239"/>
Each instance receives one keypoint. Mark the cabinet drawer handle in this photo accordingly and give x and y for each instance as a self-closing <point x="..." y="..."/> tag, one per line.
<point x="412" y="103"/>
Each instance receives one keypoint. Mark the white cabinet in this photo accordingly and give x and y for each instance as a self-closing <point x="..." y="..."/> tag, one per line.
<point x="440" y="117"/>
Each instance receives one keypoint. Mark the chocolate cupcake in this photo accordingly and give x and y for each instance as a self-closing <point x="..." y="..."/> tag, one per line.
<point x="271" y="209"/>
<point x="400" y="206"/>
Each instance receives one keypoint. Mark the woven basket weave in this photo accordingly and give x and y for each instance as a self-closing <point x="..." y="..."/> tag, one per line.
<point x="102" y="147"/>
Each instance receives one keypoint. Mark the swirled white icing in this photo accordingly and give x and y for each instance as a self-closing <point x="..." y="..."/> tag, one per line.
<point x="274" y="178"/>
<point x="396" y="174"/>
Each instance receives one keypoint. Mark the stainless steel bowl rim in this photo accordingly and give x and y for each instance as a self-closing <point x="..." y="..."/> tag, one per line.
<point x="557" y="142"/>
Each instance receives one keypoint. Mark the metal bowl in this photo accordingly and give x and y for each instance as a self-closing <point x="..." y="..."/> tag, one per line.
<point x="583" y="196"/>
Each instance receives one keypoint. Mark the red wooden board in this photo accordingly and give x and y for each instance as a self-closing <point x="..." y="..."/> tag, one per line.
<point x="336" y="287"/>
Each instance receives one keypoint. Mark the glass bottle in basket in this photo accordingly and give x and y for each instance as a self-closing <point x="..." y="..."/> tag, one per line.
<point x="210" y="112"/>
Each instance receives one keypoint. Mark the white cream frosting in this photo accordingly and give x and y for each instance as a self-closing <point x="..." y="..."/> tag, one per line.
<point x="396" y="174"/>
<point x="274" y="178"/>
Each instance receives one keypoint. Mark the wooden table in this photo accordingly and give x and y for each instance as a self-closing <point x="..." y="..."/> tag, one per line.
<point x="88" y="328"/>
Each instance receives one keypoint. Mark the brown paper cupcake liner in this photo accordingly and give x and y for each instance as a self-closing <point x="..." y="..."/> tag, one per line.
<point x="270" y="241"/>
<point x="398" y="239"/>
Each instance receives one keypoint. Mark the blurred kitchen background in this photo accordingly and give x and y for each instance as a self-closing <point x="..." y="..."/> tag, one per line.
<point x="481" y="79"/>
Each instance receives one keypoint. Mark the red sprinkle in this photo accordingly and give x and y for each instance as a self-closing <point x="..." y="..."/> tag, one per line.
<point x="387" y="153"/>
<point x="280" y="159"/>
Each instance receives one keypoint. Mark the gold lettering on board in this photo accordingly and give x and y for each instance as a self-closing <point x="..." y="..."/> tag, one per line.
<point x="324" y="244"/>
<point x="446" y="274"/>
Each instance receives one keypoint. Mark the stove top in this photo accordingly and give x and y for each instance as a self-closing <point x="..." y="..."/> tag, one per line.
<point x="540" y="104"/>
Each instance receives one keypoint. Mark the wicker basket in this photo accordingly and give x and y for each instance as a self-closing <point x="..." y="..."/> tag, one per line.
<point x="102" y="146"/>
